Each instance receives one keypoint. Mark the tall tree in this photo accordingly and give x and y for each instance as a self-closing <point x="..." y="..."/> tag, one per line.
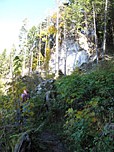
<point x="23" y="44"/>
<point x="4" y="64"/>
<point x="12" y="56"/>
<point x="105" y="28"/>
<point x="95" y="32"/>
<point x="32" y="45"/>
<point x="57" y="42"/>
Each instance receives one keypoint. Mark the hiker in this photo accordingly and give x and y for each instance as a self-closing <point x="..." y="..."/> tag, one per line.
<point x="25" y="95"/>
<point x="24" y="105"/>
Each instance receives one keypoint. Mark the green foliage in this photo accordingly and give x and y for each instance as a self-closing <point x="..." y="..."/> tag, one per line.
<point x="17" y="66"/>
<point x="4" y="64"/>
<point x="81" y="112"/>
<point x="47" y="58"/>
<point x="9" y="111"/>
<point x="90" y="102"/>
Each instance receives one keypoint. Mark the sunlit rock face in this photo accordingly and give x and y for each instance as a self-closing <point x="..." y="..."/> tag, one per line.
<point x="71" y="54"/>
<point x="83" y="42"/>
<point x="81" y="57"/>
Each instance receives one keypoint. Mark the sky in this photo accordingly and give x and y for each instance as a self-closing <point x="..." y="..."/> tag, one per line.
<point x="13" y="12"/>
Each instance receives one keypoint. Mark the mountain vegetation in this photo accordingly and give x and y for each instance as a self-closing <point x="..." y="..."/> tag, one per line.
<point x="67" y="113"/>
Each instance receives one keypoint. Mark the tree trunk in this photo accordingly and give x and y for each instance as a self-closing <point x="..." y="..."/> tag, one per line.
<point x="39" y="50"/>
<point x="46" y="43"/>
<point x="57" y="43"/>
<point x="31" y="60"/>
<point x="96" y="40"/>
<point x="113" y="33"/>
<point x="105" y="29"/>
<point x="65" y="48"/>
<point x="86" y="23"/>
<point x="11" y="66"/>
<point x="24" y="61"/>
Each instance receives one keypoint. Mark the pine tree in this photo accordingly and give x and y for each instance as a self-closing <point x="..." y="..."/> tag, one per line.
<point x="23" y="44"/>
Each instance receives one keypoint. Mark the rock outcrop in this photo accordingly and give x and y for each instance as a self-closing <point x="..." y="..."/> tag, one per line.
<point x="72" y="52"/>
<point x="46" y="88"/>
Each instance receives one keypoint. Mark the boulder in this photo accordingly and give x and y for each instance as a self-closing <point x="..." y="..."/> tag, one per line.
<point x="82" y="57"/>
